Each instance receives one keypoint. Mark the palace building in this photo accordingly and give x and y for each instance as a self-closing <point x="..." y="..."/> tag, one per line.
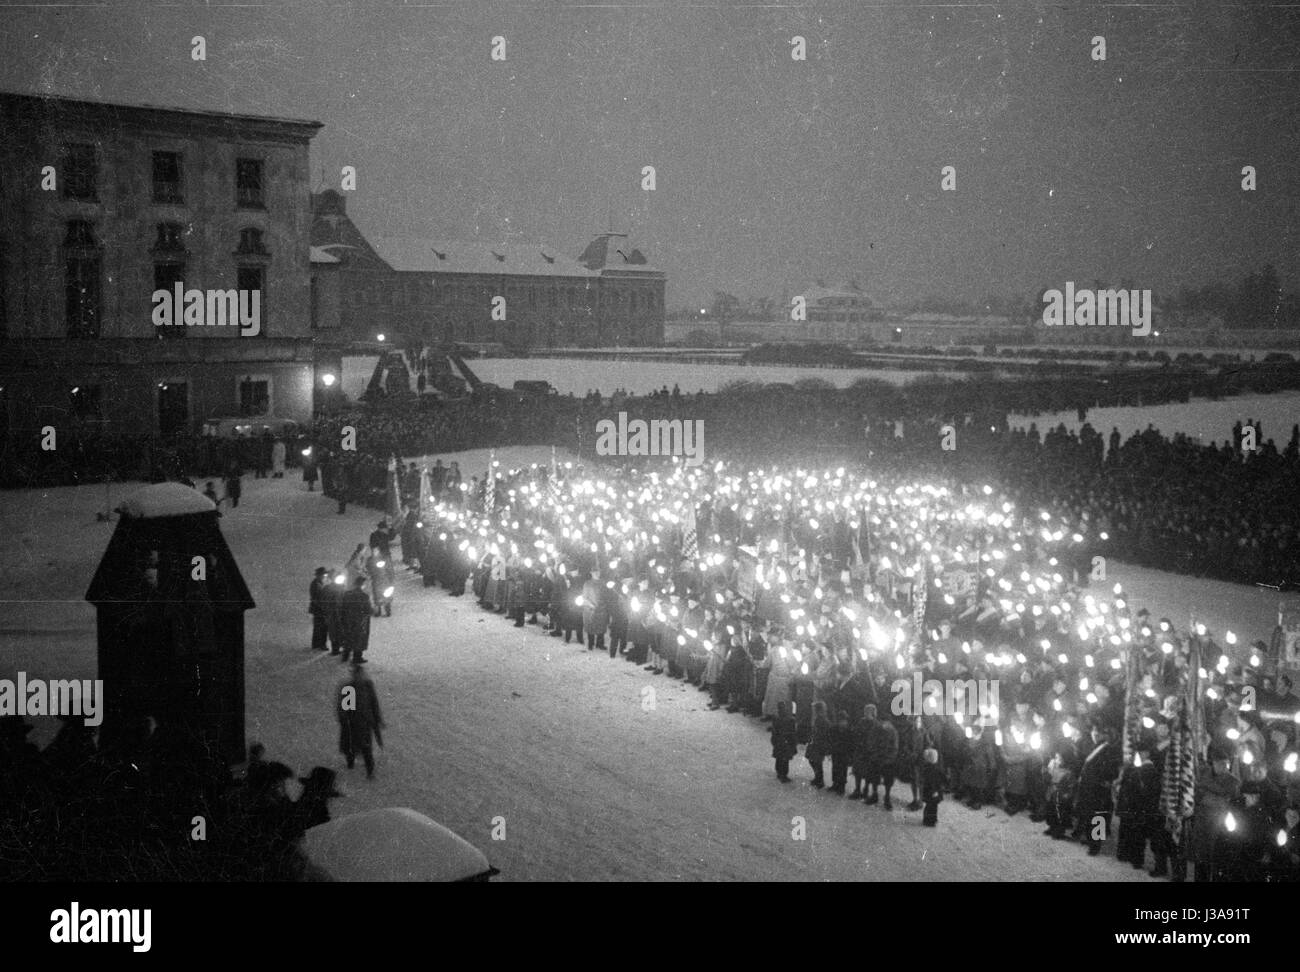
<point x="442" y="292"/>
<point x="101" y="205"/>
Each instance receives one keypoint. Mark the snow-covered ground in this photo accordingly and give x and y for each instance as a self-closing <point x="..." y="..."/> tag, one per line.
<point x="488" y="721"/>
<point x="1209" y="421"/>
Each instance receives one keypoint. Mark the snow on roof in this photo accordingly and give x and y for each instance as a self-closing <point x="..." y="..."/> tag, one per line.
<point x="449" y="256"/>
<point x="813" y="294"/>
<point x="391" y="844"/>
<point x="165" y="499"/>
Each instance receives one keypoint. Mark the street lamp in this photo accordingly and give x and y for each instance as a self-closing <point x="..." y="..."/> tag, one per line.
<point x="381" y="338"/>
<point x="327" y="379"/>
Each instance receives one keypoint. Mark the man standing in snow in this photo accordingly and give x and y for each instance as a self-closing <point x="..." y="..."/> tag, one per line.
<point x="316" y="607"/>
<point x="360" y="722"/>
<point x="356" y="621"/>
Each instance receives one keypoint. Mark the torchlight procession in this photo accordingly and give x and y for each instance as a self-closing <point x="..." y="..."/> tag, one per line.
<point x="827" y="588"/>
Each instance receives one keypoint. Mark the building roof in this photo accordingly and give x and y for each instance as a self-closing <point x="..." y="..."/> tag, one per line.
<point x="969" y="320"/>
<point x="118" y="114"/>
<point x="452" y="256"/>
<point x="613" y="251"/>
<point x="322" y="254"/>
<point x="822" y="292"/>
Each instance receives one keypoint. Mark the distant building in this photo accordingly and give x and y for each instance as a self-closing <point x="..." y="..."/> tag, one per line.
<point x="101" y="205"/>
<point x="845" y="304"/>
<point x="439" y="291"/>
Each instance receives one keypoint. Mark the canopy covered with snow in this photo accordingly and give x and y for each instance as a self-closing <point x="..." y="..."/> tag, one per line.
<point x="165" y="499"/>
<point x="391" y="844"/>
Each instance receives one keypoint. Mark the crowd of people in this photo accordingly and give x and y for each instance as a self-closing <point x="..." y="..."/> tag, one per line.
<point x="844" y="606"/>
<point x="160" y="805"/>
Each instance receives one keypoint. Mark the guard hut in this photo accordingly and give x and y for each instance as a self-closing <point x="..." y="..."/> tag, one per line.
<point x="170" y="605"/>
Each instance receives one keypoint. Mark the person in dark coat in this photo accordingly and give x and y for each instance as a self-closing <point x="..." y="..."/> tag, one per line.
<point x="381" y="539"/>
<point x="1137" y="806"/>
<point x="1093" y="802"/>
<point x="410" y="538"/>
<point x="595" y="611"/>
<point x="360" y="721"/>
<point x="317" y="607"/>
<point x="342" y="485"/>
<point x="932" y="781"/>
<point x="309" y="474"/>
<point x="356" y="614"/>
<point x="881" y="755"/>
<point x="841" y="752"/>
<point x="1059" y="800"/>
<point x="234" y="485"/>
<point x="312" y="806"/>
<point x="262" y="455"/>
<point x="785" y="742"/>
<point x="819" y="744"/>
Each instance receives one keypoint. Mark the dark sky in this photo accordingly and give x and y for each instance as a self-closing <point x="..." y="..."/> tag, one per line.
<point x="771" y="173"/>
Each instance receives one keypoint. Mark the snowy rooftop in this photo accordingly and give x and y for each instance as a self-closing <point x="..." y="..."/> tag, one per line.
<point x="448" y="256"/>
<point x="165" y="499"/>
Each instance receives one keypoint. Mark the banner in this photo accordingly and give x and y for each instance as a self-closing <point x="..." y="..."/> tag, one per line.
<point x="1288" y="619"/>
<point x="747" y="574"/>
<point x="958" y="581"/>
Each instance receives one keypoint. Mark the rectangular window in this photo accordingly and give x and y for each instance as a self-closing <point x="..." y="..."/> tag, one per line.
<point x="252" y="279"/>
<point x="82" y="296"/>
<point x="254" y="397"/>
<point x="173" y="407"/>
<point x="80" y="171"/>
<point x="248" y="183"/>
<point x="169" y="238"/>
<point x="80" y="233"/>
<point x="250" y="241"/>
<point x="165" y="277"/>
<point x="86" y="403"/>
<point x="167" y="177"/>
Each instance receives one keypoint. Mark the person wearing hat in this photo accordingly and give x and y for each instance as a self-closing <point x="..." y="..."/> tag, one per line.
<point x="312" y="805"/>
<point x="381" y="539"/>
<point x="932" y="781"/>
<point x="356" y="614"/>
<point x="1093" y="800"/>
<point x="785" y="743"/>
<point x="1137" y="803"/>
<point x="360" y="721"/>
<point x="318" y="609"/>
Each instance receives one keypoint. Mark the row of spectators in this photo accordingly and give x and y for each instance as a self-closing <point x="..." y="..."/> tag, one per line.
<point x="160" y="805"/>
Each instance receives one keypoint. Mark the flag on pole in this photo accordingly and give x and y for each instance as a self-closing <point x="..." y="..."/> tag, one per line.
<point x="1178" y="788"/>
<point x="553" y="490"/>
<point x="920" y="595"/>
<point x="394" y="499"/>
<point x="426" y="490"/>
<point x="1132" y="702"/>
<point x="690" y="542"/>
<point x="490" y="483"/>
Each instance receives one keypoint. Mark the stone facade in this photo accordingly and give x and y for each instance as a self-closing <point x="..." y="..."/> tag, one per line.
<point x="103" y="204"/>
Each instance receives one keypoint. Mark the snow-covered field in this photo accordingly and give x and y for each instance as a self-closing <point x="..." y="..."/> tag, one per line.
<point x="487" y="721"/>
<point x="1209" y="421"/>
